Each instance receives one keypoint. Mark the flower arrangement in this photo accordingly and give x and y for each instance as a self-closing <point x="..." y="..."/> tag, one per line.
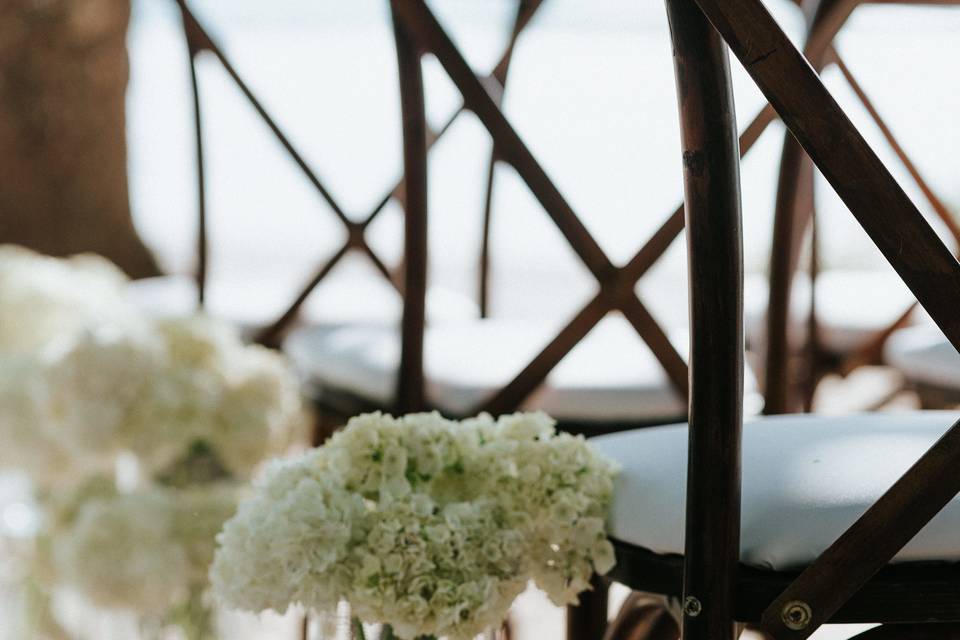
<point x="429" y="525"/>
<point x="46" y="301"/>
<point x="137" y="433"/>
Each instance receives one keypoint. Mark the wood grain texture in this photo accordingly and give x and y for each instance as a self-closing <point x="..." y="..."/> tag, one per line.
<point x="715" y="257"/>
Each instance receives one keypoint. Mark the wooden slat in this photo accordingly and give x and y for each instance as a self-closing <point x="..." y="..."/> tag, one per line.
<point x="903" y="593"/>
<point x="417" y="18"/>
<point x="526" y="9"/>
<point x="657" y="340"/>
<point x="516" y="391"/>
<point x="907" y="241"/>
<point x="868" y="545"/>
<point x="410" y="385"/>
<point x="715" y="257"/>
<point x="843" y="156"/>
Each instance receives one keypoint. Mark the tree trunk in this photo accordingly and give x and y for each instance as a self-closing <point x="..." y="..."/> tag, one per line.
<point x="63" y="154"/>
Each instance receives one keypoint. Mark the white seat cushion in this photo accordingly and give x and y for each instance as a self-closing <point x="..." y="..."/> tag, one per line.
<point x="852" y="306"/>
<point x="257" y="301"/>
<point x="611" y="375"/>
<point x="805" y="480"/>
<point x="924" y="355"/>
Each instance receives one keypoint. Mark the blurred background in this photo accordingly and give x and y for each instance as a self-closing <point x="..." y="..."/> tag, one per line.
<point x="326" y="71"/>
<point x="97" y="145"/>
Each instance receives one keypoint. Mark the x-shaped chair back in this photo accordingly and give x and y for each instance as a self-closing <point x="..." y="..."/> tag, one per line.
<point x="199" y="42"/>
<point x="794" y="214"/>
<point x="616" y="283"/>
<point x="699" y="29"/>
<point x="419" y="32"/>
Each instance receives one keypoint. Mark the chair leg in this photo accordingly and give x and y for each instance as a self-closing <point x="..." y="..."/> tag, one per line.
<point x="588" y="620"/>
<point x="643" y="617"/>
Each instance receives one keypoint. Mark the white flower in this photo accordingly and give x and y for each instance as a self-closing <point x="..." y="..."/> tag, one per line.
<point x="93" y="386"/>
<point x="143" y="551"/>
<point x="429" y="525"/>
<point x="120" y="554"/>
<point x="44" y="300"/>
<point x="154" y="391"/>
<point x="28" y="444"/>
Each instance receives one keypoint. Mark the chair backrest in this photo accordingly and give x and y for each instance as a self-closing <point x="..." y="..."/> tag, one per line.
<point x="898" y="230"/>
<point x="794" y="214"/>
<point x="200" y="41"/>
<point x="419" y="32"/>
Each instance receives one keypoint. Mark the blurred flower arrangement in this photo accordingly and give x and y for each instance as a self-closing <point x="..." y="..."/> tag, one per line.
<point x="136" y="433"/>
<point x="430" y="526"/>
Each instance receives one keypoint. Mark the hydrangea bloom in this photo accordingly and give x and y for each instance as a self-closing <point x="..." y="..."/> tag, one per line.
<point x="429" y="525"/>
<point x="143" y="551"/>
<point x="90" y="385"/>
<point x="152" y="392"/>
<point x="46" y="299"/>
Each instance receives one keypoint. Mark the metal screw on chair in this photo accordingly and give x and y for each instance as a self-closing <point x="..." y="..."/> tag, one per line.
<point x="692" y="607"/>
<point x="796" y="615"/>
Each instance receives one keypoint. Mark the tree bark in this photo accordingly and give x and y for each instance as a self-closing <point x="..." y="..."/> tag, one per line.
<point x="63" y="155"/>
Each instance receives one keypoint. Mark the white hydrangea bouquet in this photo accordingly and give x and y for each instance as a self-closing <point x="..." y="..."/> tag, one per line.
<point x="136" y="433"/>
<point x="430" y="526"/>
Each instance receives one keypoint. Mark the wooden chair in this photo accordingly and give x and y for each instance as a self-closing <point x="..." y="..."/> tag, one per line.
<point x="494" y="365"/>
<point x="829" y="336"/>
<point x="837" y="522"/>
<point x="256" y="305"/>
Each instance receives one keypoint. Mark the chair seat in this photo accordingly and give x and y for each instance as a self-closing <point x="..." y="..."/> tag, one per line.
<point x="852" y="306"/>
<point x="610" y="376"/>
<point x="251" y="302"/>
<point x="925" y="356"/>
<point x="806" y="479"/>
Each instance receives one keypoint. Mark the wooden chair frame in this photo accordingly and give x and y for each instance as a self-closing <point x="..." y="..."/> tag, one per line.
<point x="199" y="42"/>
<point x="616" y="284"/>
<point x="795" y="212"/>
<point x="851" y="580"/>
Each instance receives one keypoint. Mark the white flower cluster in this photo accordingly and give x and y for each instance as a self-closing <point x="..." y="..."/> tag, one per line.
<point x="45" y="300"/>
<point x="154" y="391"/>
<point x="92" y="390"/>
<point x="143" y="551"/>
<point x="430" y="525"/>
<point x="189" y="380"/>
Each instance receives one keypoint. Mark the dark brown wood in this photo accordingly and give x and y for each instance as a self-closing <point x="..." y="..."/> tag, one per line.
<point x="870" y="543"/>
<point x="422" y="24"/>
<point x="794" y="214"/>
<point x="200" y="41"/>
<point x="526" y="9"/>
<point x="416" y="17"/>
<point x="410" y="385"/>
<point x="715" y="256"/>
<point x="943" y="213"/>
<point x="196" y="44"/>
<point x="356" y="230"/>
<point x="910" y="592"/>
<point x="789" y="222"/>
<point x="510" y="396"/>
<point x="914" y="250"/>
<point x="588" y="619"/>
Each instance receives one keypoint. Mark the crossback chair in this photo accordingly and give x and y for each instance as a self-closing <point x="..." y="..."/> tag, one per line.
<point x="786" y="522"/>
<point x="346" y="387"/>
<point x="179" y="294"/>
<point x="828" y="346"/>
